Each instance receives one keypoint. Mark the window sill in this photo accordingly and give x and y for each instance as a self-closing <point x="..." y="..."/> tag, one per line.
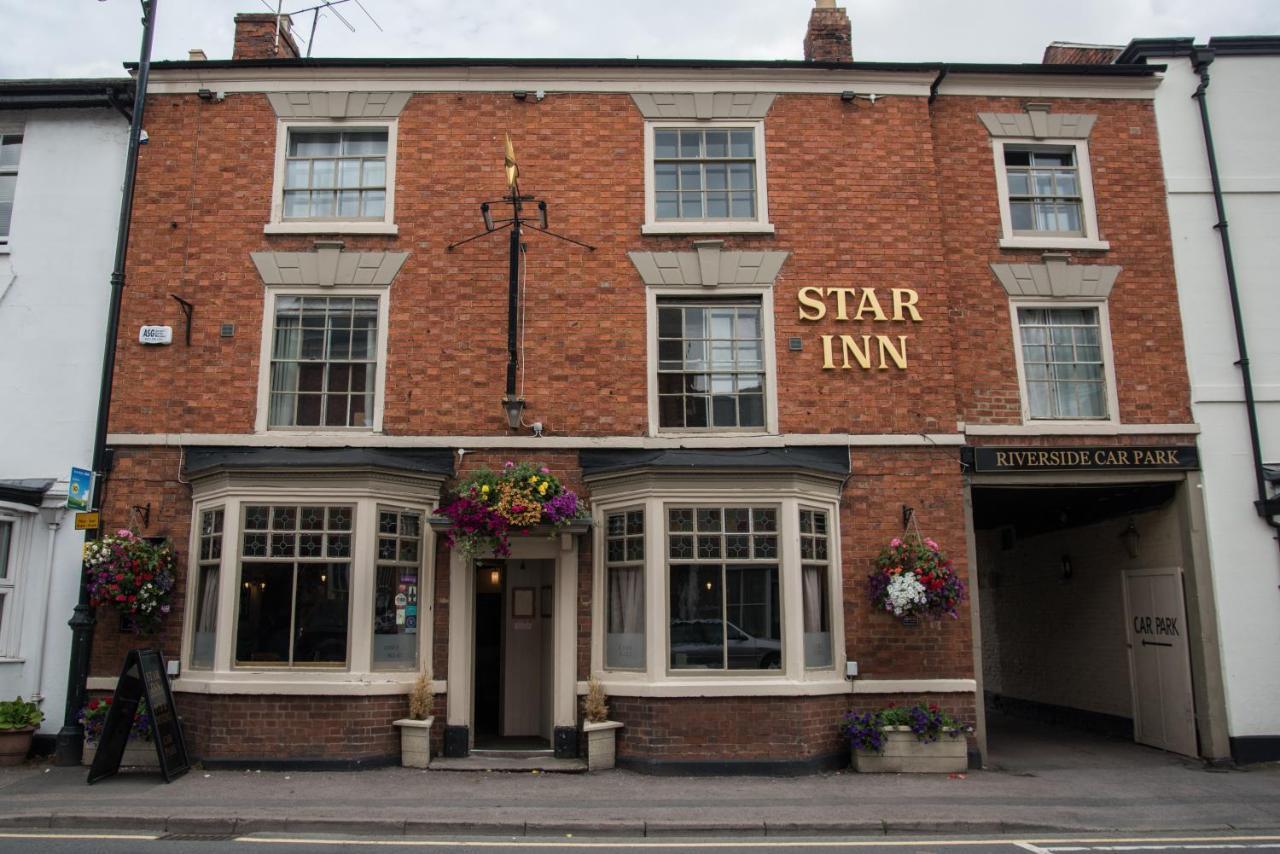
<point x="4" y="660"/>
<point x="707" y="228"/>
<point x="388" y="228"/>
<point x="685" y="433"/>
<point x="617" y="685"/>
<point x="300" y="684"/>
<point x="1029" y="242"/>
<point x="295" y="433"/>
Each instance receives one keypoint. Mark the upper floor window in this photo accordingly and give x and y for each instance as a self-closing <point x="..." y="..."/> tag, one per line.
<point x="333" y="174"/>
<point x="710" y="365"/>
<point x="704" y="174"/>
<point x="324" y="361"/>
<point x="706" y="178"/>
<point x="1063" y="365"/>
<point x="1044" y="190"/>
<point x="10" y="154"/>
<point x="1046" y="195"/>
<point x="334" y="178"/>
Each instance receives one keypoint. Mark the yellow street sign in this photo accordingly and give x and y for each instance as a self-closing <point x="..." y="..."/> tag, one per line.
<point x="87" y="521"/>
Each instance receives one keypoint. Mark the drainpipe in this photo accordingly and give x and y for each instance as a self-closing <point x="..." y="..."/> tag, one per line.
<point x="53" y="521"/>
<point x="70" y="743"/>
<point x="1201" y="59"/>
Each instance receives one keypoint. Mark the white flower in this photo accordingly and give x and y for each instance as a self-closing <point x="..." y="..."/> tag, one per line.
<point x="903" y="593"/>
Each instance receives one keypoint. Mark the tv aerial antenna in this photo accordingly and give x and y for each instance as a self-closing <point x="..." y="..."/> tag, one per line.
<point x="322" y="6"/>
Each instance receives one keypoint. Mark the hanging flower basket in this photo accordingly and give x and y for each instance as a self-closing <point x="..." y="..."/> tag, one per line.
<point x="136" y="577"/>
<point x="488" y="506"/>
<point x="914" y="577"/>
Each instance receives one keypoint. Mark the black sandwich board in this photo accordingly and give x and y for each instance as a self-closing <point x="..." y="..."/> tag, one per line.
<point x="143" y="676"/>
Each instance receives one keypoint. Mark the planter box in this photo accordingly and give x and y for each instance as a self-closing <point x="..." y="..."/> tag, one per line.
<point x="137" y="754"/>
<point x="601" y="754"/>
<point x="415" y="742"/>
<point x="14" y="746"/>
<point x="904" y="753"/>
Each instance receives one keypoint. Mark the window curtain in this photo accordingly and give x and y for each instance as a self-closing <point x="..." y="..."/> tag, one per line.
<point x="284" y="370"/>
<point x="817" y="636"/>
<point x="624" y="637"/>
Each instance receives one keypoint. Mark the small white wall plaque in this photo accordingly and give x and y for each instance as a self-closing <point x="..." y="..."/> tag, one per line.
<point x="155" y="335"/>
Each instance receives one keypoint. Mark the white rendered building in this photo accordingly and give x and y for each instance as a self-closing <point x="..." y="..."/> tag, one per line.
<point x="62" y="159"/>
<point x="1240" y="77"/>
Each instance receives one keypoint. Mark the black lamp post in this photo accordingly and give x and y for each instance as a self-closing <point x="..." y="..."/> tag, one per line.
<point x="70" y="741"/>
<point x="513" y="405"/>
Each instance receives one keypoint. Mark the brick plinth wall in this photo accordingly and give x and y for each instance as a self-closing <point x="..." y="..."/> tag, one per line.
<point x="732" y="730"/>
<point x="253" y="727"/>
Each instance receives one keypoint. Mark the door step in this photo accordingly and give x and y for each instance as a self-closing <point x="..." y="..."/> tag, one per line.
<point x="510" y="760"/>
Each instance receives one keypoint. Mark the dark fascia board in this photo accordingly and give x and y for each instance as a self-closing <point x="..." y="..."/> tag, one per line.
<point x="63" y="94"/>
<point x="1116" y="70"/>
<point x="1139" y="51"/>
<point x="200" y="461"/>
<point x="830" y="460"/>
<point x="1245" y="45"/>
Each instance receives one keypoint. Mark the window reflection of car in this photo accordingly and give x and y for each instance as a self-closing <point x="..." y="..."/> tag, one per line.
<point x="701" y="643"/>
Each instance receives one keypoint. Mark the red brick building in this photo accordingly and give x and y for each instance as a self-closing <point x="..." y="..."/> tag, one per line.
<point x="820" y="293"/>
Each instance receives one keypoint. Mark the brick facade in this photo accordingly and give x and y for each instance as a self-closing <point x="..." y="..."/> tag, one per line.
<point x="896" y="194"/>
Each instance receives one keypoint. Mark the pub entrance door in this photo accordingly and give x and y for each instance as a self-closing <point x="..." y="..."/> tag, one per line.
<point x="513" y="655"/>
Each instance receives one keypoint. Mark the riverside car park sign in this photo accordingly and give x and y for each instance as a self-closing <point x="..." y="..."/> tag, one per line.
<point x="1111" y="458"/>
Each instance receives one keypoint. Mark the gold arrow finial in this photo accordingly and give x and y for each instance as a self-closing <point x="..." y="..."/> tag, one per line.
<point x="509" y="164"/>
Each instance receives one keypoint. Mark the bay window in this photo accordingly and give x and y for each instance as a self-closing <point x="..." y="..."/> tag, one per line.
<point x="624" y="589"/>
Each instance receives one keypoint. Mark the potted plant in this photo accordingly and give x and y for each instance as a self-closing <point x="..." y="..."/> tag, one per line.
<point x="488" y="505"/>
<point x="916" y="739"/>
<point x="415" y="730"/>
<point x="18" y="722"/>
<point x="135" y="577"/>
<point x="601" y="732"/>
<point x="914" y="577"/>
<point x="139" y="751"/>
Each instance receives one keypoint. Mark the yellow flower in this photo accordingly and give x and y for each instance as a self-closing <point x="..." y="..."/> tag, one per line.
<point x="484" y="488"/>
<point x="533" y="478"/>
<point x="542" y="490"/>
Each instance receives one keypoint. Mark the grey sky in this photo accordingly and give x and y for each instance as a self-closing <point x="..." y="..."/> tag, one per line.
<point x="64" y="38"/>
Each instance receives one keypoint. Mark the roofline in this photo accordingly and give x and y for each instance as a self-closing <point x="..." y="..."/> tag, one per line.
<point x="1245" y="45"/>
<point x="1114" y="70"/>
<point x="1140" y="50"/>
<point x="109" y="92"/>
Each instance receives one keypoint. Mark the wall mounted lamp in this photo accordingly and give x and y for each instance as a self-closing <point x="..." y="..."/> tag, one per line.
<point x="1131" y="538"/>
<point x="495" y="577"/>
<point x="513" y="406"/>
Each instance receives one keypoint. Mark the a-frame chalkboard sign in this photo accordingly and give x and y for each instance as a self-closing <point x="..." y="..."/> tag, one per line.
<point x="143" y="676"/>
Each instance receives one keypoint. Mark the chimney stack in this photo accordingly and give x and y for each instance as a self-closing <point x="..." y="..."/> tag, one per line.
<point x="829" y="38"/>
<point x="256" y="37"/>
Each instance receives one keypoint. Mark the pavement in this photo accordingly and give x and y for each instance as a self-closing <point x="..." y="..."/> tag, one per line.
<point x="1038" y="781"/>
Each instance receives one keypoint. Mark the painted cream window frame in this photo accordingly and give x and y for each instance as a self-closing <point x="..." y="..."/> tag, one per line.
<point x="23" y="520"/>
<point x="602" y="548"/>
<point x="277" y="224"/>
<point x="272" y="293"/>
<point x="1104" y="343"/>
<point x="365" y="493"/>
<point x="1088" y="206"/>
<point x="289" y="666"/>
<point x="787" y="654"/>
<point x="423" y="594"/>
<point x="656" y="492"/>
<point x="653" y="295"/>
<point x="759" y="225"/>
<point x="834" y="588"/>
<point x="191" y="613"/>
